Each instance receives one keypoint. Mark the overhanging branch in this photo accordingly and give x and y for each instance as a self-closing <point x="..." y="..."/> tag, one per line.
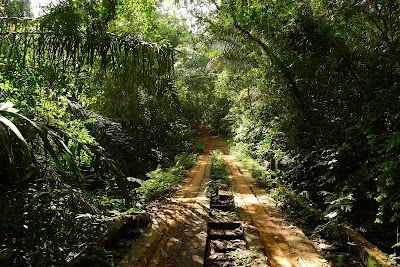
<point x="294" y="90"/>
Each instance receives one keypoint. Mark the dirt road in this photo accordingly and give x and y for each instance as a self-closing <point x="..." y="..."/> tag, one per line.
<point x="239" y="226"/>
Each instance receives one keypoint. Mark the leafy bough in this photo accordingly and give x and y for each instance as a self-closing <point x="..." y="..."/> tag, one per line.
<point x="54" y="142"/>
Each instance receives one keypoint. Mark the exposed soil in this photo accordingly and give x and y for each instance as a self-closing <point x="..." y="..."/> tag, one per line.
<point x="233" y="224"/>
<point x="210" y="140"/>
<point x="232" y="227"/>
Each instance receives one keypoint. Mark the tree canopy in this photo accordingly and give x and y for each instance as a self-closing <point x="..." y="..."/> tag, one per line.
<point x="94" y="95"/>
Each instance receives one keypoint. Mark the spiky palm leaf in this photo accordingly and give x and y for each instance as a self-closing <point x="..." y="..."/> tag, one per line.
<point x="53" y="142"/>
<point x="149" y="64"/>
<point x="47" y="136"/>
<point x="7" y="130"/>
<point x="110" y="134"/>
<point x="231" y="54"/>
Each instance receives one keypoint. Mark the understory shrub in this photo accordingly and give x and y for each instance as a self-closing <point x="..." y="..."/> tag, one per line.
<point x="161" y="182"/>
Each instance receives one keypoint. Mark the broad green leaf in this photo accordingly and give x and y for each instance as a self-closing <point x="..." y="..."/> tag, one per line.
<point x="6" y="141"/>
<point x="6" y="253"/>
<point x="67" y="155"/>
<point x="14" y="129"/>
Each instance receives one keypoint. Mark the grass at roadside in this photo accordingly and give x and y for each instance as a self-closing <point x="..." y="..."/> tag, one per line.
<point x="162" y="182"/>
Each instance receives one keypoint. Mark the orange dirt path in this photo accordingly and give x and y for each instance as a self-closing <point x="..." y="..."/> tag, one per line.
<point x="180" y="239"/>
<point x="210" y="140"/>
<point x="285" y="244"/>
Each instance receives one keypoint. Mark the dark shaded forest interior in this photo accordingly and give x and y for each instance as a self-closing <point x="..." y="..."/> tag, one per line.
<point x="101" y="103"/>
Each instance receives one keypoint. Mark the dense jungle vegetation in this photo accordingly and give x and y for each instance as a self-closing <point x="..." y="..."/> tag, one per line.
<point x="98" y="102"/>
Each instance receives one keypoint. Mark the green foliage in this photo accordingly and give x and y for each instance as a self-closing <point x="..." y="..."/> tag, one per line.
<point x="194" y="86"/>
<point x="242" y="258"/>
<point x="263" y="177"/>
<point x="337" y="205"/>
<point x="15" y="8"/>
<point x="340" y="259"/>
<point x="184" y="161"/>
<point x="53" y="140"/>
<point x="219" y="178"/>
<point x="151" y="21"/>
<point x="78" y="52"/>
<point x="47" y="136"/>
<point x="218" y="168"/>
<point x="310" y="84"/>
<point x="161" y="182"/>
<point x="6" y="124"/>
<point x="68" y="221"/>
<point x="317" y="97"/>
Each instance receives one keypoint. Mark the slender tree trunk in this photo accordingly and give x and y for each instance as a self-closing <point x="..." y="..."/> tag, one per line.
<point x="294" y="90"/>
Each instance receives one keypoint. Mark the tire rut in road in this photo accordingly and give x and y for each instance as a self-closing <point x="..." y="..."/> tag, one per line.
<point x="285" y="244"/>
<point x="222" y="222"/>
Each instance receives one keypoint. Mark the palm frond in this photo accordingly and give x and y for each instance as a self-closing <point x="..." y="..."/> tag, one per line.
<point x="232" y="54"/>
<point x="110" y="134"/>
<point x="53" y="140"/>
<point x="148" y="63"/>
<point x="5" y="126"/>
